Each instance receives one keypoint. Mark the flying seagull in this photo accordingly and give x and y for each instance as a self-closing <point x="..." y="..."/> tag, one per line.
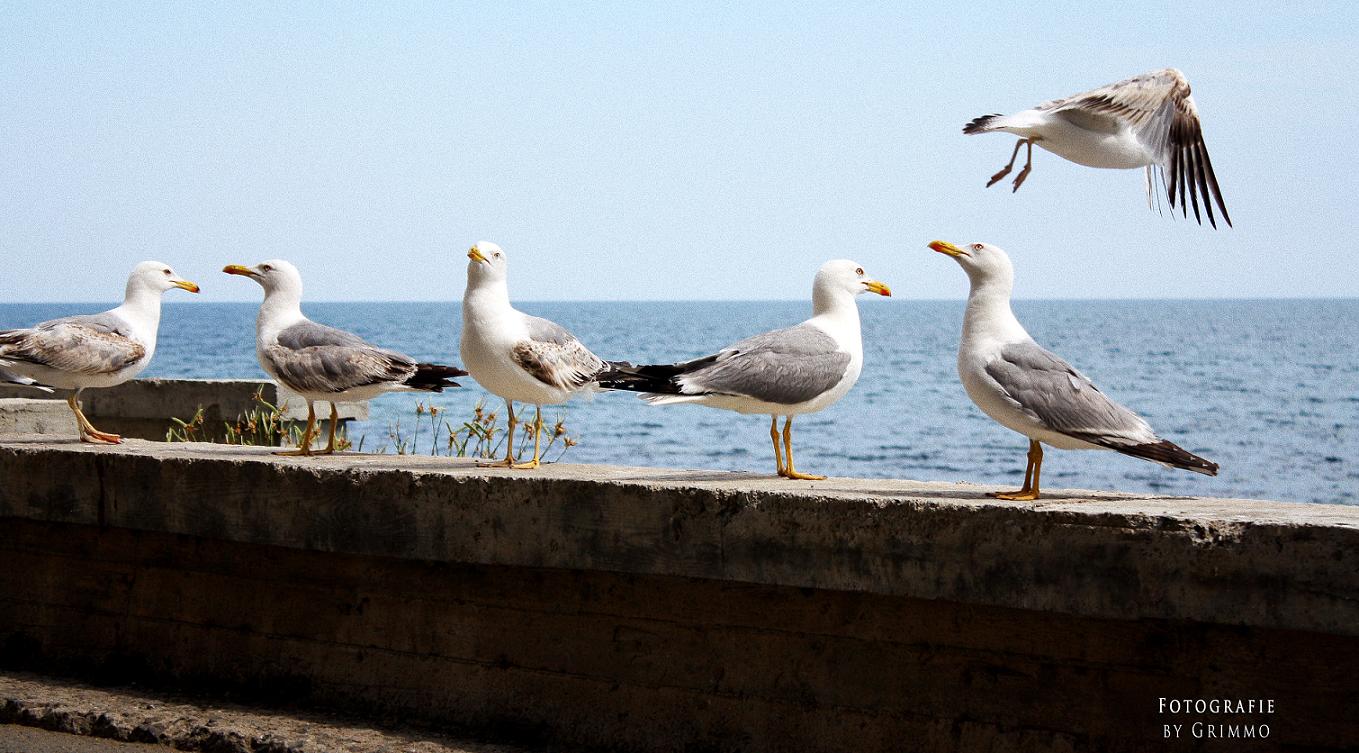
<point x="516" y="356"/>
<point x="787" y="372"/>
<point x="325" y="363"/>
<point x="1146" y="121"/>
<point x="1031" y="390"/>
<point x="97" y="350"/>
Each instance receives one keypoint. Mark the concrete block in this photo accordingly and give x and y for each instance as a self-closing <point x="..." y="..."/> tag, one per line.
<point x="649" y="609"/>
<point x="143" y="408"/>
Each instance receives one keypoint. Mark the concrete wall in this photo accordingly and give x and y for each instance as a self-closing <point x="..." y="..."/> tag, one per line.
<point x="143" y="408"/>
<point x="667" y="610"/>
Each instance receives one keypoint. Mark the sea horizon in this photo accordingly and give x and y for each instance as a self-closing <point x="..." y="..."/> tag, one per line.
<point x="1234" y="380"/>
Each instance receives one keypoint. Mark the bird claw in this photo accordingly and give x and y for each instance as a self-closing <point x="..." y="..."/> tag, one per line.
<point x="1023" y="495"/>
<point x="1019" y="179"/>
<point x="996" y="178"/>
<point x="99" y="437"/>
<point x="800" y="476"/>
<point x="299" y="452"/>
<point x="530" y="465"/>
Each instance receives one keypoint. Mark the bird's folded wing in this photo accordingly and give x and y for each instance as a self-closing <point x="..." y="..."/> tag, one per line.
<point x="92" y="345"/>
<point x="311" y="357"/>
<point x="554" y="356"/>
<point x="785" y="367"/>
<point x="1047" y="388"/>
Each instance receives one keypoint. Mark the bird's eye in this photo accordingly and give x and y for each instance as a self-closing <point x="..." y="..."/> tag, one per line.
<point x="976" y="246"/>
<point x="167" y="272"/>
<point x="497" y="254"/>
<point x="859" y="271"/>
<point x="266" y="268"/>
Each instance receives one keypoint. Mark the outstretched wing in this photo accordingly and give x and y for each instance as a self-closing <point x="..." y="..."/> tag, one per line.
<point x="1159" y="108"/>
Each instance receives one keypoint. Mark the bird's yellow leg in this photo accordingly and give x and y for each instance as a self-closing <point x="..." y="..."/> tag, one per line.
<point x="304" y="444"/>
<point x="512" y="423"/>
<point x="537" y="439"/>
<point x="1030" y="491"/>
<point x="334" y="422"/>
<point x="789" y="470"/>
<point x="778" y="451"/>
<point x="87" y="431"/>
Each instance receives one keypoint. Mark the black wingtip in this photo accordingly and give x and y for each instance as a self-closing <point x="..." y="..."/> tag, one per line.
<point x="622" y="375"/>
<point x="980" y="125"/>
<point x="434" y="377"/>
<point x="1171" y="454"/>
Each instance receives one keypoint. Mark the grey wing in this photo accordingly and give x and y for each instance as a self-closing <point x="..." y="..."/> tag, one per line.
<point x="95" y="344"/>
<point x="785" y="367"/>
<point x="1063" y="399"/>
<point x="554" y="356"/>
<point x="311" y="357"/>
<point x="1159" y="108"/>
<point x="1136" y="101"/>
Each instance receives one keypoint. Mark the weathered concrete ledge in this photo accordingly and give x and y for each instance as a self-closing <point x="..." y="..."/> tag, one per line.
<point x="647" y="609"/>
<point x="144" y="408"/>
<point x="1098" y="554"/>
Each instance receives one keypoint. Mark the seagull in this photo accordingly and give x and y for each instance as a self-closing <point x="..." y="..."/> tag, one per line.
<point x="1146" y="121"/>
<point x="786" y="372"/>
<point x="325" y="363"/>
<point x="1031" y="390"/>
<point x="96" y="350"/>
<point x="516" y="356"/>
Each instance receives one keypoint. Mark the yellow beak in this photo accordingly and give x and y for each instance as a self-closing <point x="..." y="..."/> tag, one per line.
<point x="189" y="286"/>
<point x="236" y="269"/>
<point x="475" y="255"/>
<point x="944" y="247"/>
<point x="876" y="287"/>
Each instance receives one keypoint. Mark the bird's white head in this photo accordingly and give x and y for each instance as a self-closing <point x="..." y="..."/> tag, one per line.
<point x="274" y="275"/>
<point x="486" y="263"/>
<point x="844" y="276"/>
<point x="983" y="262"/>
<point x="158" y="277"/>
<point x="155" y="277"/>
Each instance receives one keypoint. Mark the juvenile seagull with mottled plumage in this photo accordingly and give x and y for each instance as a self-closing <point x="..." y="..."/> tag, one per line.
<point x="1031" y="390"/>
<point x="516" y="356"/>
<point x="787" y="372"/>
<point x="97" y="350"/>
<point x="325" y="363"/>
<point x="1146" y="121"/>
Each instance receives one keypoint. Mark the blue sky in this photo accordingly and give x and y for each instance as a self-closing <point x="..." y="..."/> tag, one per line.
<point x="632" y="151"/>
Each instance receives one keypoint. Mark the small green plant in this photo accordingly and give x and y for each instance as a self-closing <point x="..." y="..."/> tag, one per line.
<point x="264" y="425"/>
<point x="481" y="436"/>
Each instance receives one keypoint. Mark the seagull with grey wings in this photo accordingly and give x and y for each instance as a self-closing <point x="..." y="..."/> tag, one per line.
<point x="1147" y="121"/>
<point x="1031" y="390"/>
<point x="98" y="350"/>
<point x="325" y="363"/>
<point x="787" y="372"/>
<point x="516" y="356"/>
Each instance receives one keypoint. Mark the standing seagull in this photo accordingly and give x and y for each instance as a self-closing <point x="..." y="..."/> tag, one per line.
<point x="325" y="363"/>
<point x="1146" y="121"/>
<point x="1033" y="391"/>
<point x="786" y="372"/>
<point x="98" y="350"/>
<point x="514" y="355"/>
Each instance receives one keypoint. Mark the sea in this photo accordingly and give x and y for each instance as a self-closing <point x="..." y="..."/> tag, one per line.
<point x="1269" y="389"/>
